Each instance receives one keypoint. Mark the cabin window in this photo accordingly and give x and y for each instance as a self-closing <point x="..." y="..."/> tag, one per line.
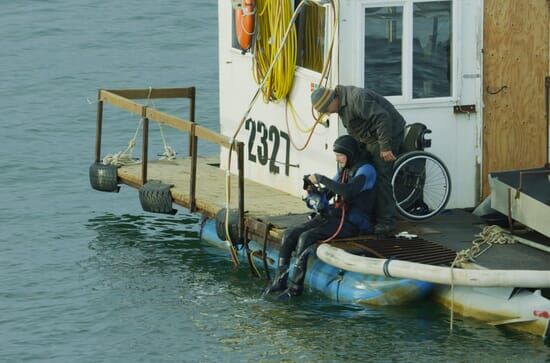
<point x="384" y="50"/>
<point x="432" y="49"/>
<point x="408" y="49"/>
<point x="310" y="28"/>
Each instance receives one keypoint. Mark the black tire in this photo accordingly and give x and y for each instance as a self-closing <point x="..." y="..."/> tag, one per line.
<point x="155" y="197"/>
<point x="421" y="185"/>
<point x="104" y="177"/>
<point x="233" y="225"/>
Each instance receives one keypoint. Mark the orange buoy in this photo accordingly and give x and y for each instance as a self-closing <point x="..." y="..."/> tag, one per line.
<point x="244" y="23"/>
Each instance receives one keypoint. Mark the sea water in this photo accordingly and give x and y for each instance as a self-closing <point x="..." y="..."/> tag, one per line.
<point x="89" y="277"/>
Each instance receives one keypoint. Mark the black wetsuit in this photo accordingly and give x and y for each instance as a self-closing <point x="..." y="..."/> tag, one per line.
<point x="358" y="195"/>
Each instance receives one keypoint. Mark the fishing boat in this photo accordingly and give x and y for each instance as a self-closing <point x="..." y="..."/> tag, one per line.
<point x="457" y="69"/>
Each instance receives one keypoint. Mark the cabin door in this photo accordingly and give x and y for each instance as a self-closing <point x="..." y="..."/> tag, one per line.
<point x="515" y="64"/>
<point x="425" y="58"/>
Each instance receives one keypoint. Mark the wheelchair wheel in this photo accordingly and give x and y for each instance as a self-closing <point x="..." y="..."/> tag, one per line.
<point x="421" y="185"/>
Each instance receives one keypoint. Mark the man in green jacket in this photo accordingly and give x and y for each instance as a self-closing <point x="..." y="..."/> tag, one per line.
<point x="373" y="121"/>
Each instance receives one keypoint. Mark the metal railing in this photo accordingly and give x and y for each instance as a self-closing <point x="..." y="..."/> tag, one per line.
<point x="124" y="99"/>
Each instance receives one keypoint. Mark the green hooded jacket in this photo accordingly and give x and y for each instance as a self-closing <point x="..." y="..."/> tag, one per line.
<point x="369" y="117"/>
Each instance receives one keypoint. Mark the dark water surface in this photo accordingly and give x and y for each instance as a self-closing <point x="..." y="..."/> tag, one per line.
<point x="87" y="276"/>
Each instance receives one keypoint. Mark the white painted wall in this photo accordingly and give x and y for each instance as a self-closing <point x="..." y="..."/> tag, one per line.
<point x="237" y="87"/>
<point x="456" y="137"/>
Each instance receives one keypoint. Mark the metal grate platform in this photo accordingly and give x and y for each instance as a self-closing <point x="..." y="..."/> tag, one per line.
<point x="413" y="250"/>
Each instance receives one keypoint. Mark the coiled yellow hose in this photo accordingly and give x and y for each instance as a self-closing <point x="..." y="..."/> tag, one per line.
<point x="273" y="18"/>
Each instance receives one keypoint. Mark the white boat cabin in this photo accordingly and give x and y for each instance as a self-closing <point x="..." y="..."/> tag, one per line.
<point x="474" y="71"/>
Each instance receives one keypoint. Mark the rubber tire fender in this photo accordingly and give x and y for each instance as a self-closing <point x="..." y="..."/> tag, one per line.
<point x="155" y="197"/>
<point x="233" y="225"/>
<point x="104" y="177"/>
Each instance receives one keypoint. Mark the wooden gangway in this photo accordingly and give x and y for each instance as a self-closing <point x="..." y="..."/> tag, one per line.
<point x="197" y="183"/>
<point x="259" y="200"/>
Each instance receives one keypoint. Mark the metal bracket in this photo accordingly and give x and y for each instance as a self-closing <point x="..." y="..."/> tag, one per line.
<point x="464" y="109"/>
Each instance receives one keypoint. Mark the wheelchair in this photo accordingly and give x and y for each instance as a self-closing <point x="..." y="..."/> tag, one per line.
<point x="420" y="181"/>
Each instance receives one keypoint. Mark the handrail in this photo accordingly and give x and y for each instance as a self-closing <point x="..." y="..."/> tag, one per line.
<point x="154" y="93"/>
<point x="123" y="99"/>
<point x="151" y="113"/>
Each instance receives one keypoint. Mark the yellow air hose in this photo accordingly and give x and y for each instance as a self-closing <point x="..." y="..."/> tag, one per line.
<point x="313" y="44"/>
<point x="273" y="18"/>
<point x="241" y="123"/>
<point x="277" y="78"/>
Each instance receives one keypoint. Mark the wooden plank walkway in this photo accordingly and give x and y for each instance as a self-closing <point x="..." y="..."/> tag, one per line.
<point x="260" y="200"/>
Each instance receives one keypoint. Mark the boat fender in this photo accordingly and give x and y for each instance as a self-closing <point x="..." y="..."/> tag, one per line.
<point x="104" y="177"/>
<point x="233" y="225"/>
<point x="155" y="197"/>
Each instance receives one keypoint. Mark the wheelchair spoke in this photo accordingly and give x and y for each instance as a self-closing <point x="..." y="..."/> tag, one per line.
<point x="421" y="185"/>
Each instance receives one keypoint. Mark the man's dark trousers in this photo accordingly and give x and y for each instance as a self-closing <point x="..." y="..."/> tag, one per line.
<point x="385" y="205"/>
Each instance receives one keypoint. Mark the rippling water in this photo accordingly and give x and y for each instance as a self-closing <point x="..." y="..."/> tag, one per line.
<point x="88" y="276"/>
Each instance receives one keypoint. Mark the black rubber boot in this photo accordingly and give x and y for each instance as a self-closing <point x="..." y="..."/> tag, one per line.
<point x="296" y="281"/>
<point x="279" y="283"/>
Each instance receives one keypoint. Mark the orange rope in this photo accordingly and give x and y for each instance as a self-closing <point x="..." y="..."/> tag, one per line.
<point x="343" y="217"/>
<point x="302" y="148"/>
<point x="339" y="227"/>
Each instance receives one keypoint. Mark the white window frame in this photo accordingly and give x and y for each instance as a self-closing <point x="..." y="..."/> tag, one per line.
<point x="407" y="51"/>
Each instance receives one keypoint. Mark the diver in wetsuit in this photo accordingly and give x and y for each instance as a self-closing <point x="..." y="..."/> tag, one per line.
<point x="353" y="192"/>
<point x="373" y="121"/>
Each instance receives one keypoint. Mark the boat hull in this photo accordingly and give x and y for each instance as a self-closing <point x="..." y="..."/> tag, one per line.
<point x="523" y="309"/>
<point x="518" y="309"/>
<point x="339" y="285"/>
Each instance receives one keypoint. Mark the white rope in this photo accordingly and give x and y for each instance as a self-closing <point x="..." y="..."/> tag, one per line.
<point x="126" y="157"/>
<point x="490" y="235"/>
<point x="169" y="153"/>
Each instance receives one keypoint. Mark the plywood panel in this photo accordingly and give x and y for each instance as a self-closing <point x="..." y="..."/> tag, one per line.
<point x="514" y="67"/>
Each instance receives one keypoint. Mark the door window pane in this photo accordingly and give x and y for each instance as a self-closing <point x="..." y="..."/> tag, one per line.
<point x="383" y="50"/>
<point x="432" y="49"/>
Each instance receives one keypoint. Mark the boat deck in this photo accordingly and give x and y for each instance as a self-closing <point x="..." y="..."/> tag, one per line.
<point x="455" y="229"/>
<point x="210" y="193"/>
<point x="270" y="211"/>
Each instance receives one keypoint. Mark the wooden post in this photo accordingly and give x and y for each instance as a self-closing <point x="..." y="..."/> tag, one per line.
<point x="191" y="117"/>
<point x="193" y="179"/>
<point x="99" y="125"/>
<point x="144" y="150"/>
<point x="240" y="164"/>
